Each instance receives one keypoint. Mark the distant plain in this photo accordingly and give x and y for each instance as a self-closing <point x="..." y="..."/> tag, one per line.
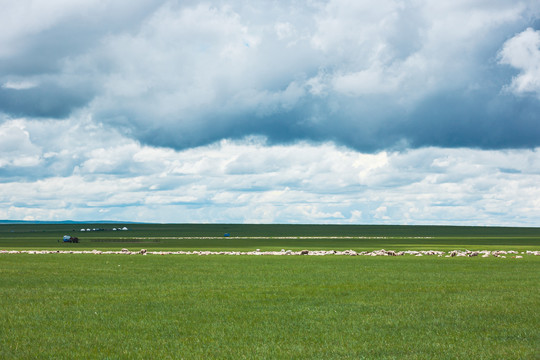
<point x="267" y="237"/>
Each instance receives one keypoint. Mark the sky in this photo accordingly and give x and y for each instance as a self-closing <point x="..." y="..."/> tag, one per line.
<point x="338" y="111"/>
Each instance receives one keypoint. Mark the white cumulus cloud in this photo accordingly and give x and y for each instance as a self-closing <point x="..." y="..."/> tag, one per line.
<point x="94" y="173"/>
<point x="523" y="53"/>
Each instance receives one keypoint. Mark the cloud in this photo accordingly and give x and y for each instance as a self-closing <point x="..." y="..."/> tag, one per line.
<point x="16" y="146"/>
<point x="369" y="81"/>
<point x="523" y="53"/>
<point x="184" y="74"/>
<point x="40" y="43"/>
<point x="20" y="85"/>
<point x="327" y="111"/>
<point x="49" y="99"/>
<point x="96" y="173"/>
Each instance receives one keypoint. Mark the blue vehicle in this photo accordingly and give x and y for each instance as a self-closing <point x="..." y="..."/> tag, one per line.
<point x="71" y="239"/>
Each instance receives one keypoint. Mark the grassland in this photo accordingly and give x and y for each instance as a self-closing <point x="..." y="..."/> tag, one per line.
<point x="268" y="237"/>
<point x="193" y="307"/>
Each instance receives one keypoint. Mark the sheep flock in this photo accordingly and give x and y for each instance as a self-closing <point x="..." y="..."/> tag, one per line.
<point x="283" y="252"/>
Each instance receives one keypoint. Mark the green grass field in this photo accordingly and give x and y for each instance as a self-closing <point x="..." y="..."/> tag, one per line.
<point x="266" y="237"/>
<point x="202" y="307"/>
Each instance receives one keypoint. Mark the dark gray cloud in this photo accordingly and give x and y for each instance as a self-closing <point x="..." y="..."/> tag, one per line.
<point x="474" y="120"/>
<point x="46" y="100"/>
<point x="452" y="119"/>
<point x="181" y="74"/>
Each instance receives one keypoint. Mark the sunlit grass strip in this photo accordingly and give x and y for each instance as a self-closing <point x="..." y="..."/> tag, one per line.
<point x="276" y="237"/>
<point x="127" y="240"/>
<point x="439" y="238"/>
<point x="267" y="245"/>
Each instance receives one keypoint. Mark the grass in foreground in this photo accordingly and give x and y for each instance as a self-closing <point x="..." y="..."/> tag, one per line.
<point x="84" y="306"/>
